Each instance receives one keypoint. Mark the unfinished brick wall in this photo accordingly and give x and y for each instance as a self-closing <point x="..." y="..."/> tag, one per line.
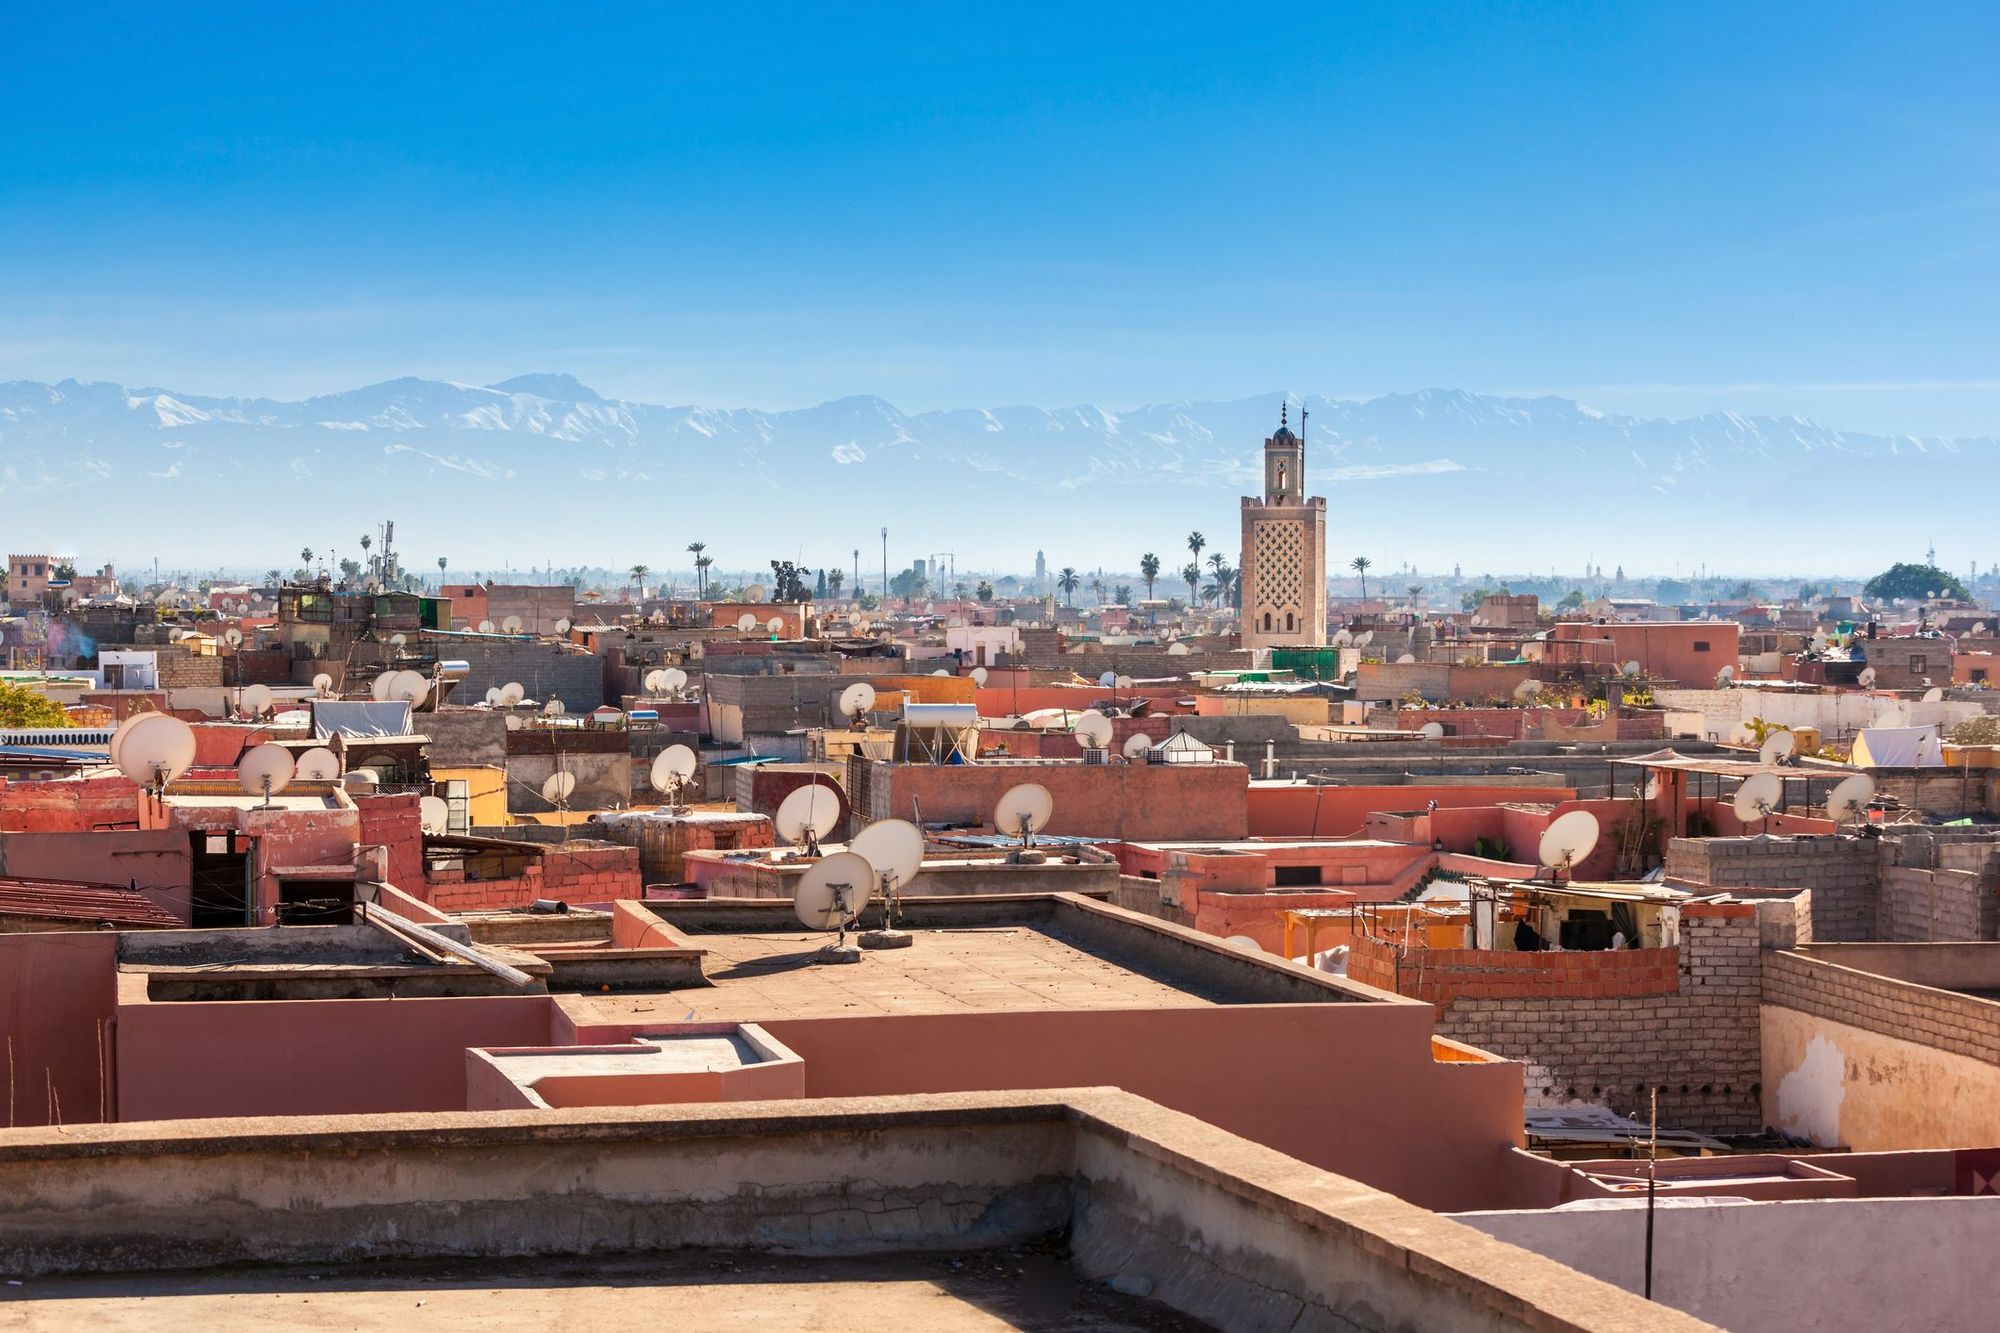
<point x="1842" y="872"/>
<point x="595" y="874"/>
<point x="184" y="670"/>
<point x="1699" y="1043"/>
<point x="1926" y="905"/>
<point x="1942" y="1019"/>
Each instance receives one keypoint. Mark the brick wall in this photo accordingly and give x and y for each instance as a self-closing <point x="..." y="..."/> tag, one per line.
<point x="594" y="874"/>
<point x="1842" y="873"/>
<point x="183" y="670"/>
<point x="1699" y="1043"/>
<point x="1941" y="1019"/>
<point x="1926" y="905"/>
<point x="1442" y="976"/>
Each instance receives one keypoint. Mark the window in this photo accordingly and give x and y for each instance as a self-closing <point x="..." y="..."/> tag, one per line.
<point x="1701" y="645"/>
<point x="1295" y="877"/>
<point x="1267" y="621"/>
<point x="1288" y="622"/>
<point x="1917" y="664"/>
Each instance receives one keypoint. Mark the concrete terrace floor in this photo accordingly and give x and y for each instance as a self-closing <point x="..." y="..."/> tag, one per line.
<point x="964" y="970"/>
<point x="1011" y="1289"/>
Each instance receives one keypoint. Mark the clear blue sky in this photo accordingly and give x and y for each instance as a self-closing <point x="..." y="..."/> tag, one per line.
<point x="1661" y="208"/>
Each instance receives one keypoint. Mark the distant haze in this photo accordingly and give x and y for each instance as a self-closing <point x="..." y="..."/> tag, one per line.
<point x="542" y="468"/>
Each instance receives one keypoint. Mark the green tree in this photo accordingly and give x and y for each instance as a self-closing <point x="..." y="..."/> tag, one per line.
<point x="1191" y="575"/>
<point x="1911" y="582"/>
<point x="984" y="591"/>
<point x="1361" y="564"/>
<point x="701" y="564"/>
<point x="639" y="573"/>
<point x="66" y="571"/>
<point x="1195" y="542"/>
<point x="835" y="576"/>
<point x="1571" y="600"/>
<point x="1149" y="569"/>
<point x="23" y="707"/>
<point x="1097" y="589"/>
<point x="306" y="557"/>
<point x="1068" y="581"/>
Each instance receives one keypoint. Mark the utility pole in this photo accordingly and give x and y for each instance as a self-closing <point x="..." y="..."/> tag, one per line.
<point x="885" y="566"/>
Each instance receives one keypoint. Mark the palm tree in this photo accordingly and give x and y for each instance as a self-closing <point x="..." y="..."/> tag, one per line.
<point x="1191" y="574"/>
<point x="366" y="542"/>
<point x="1149" y="569"/>
<point x="441" y="563"/>
<point x="1068" y="582"/>
<point x="1361" y="564"/>
<point x="700" y="578"/>
<point x="306" y="557"/>
<point x="701" y="566"/>
<point x="1195" y="542"/>
<point x="1225" y="579"/>
<point x="835" y="576"/>
<point x="1415" y="590"/>
<point x="1097" y="588"/>
<point x="639" y="573"/>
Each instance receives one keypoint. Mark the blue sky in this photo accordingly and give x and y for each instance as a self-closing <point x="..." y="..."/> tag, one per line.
<point x="1657" y="208"/>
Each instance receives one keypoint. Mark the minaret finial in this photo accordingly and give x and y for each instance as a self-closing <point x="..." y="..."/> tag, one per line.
<point x="1284" y="408"/>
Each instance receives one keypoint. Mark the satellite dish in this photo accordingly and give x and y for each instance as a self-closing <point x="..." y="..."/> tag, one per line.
<point x="1819" y="639"/>
<point x="807" y="815"/>
<point x="1243" y="942"/>
<point x="554" y="708"/>
<point x="1979" y="630"/>
<point x="1432" y="731"/>
<point x="832" y="893"/>
<point x="265" y="770"/>
<point x="1778" y="745"/>
<point x="409" y="686"/>
<point x="557" y="788"/>
<point x="512" y="624"/>
<point x="672" y="767"/>
<point x="857" y="699"/>
<point x="562" y="624"/>
<point x="255" y="700"/>
<point x="776" y="624"/>
<point x="1123" y="682"/>
<point x="317" y="765"/>
<point x="513" y="722"/>
<point x="378" y="689"/>
<point x="940" y="672"/>
<point x="979" y="675"/>
<point x="323" y="683"/>
<point x="1568" y="839"/>
<point x="1092" y="730"/>
<point x="1631" y="668"/>
<point x="232" y="636"/>
<point x="674" y="679"/>
<point x="654" y="680"/>
<point x="512" y="693"/>
<point x="1527" y="690"/>
<point x="158" y="749"/>
<point x="433" y="814"/>
<point x="1023" y="811"/>
<point x="1363" y="639"/>
<point x="1866" y="680"/>
<point x="1849" y="796"/>
<point x="1934" y="694"/>
<point x="485" y="627"/>
<point x="894" y="847"/>
<point x="746" y="622"/>
<point x="493" y="695"/>
<point x="1758" y="796"/>
<point x="1177" y="649"/>
<point x="1137" y="744"/>
<point x="1342" y="638"/>
<point x="1724" y="677"/>
<point x="1108" y="680"/>
<point x="1653" y="788"/>
<point x="1406" y="659"/>
<point x="398" y="640"/>
<point x="754" y="593"/>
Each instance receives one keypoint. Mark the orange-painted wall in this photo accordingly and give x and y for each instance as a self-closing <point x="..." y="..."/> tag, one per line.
<point x="1287" y="810"/>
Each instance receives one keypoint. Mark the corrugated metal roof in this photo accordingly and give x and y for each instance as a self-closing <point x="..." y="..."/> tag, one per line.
<point x="68" y="900"/>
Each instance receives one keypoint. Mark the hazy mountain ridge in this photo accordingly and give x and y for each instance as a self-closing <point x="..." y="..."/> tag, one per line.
<point x="528" y="444"/>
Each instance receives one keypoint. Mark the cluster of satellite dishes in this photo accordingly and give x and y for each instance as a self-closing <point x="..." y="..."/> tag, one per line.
<point x="747" y="622"/>
<point x="832" y="894"/>
<point x="506" y="696"/>
<point x="410" y="687"/>
<point x="666" y="680"/>
<point x="1111" y="680"/>
<point x="1347" y="638"/>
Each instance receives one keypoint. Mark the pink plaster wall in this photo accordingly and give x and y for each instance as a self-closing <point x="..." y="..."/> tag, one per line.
<point x="57" y="994"/>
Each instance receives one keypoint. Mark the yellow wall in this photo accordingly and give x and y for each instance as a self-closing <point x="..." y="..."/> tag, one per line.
<point x="1307" y="710"/>
<point x="487" y="789"/>
<point x="1841" y="1086"/>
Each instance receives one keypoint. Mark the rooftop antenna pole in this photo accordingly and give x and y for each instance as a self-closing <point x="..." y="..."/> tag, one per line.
<point x="885" y="567"/>
<point x="1652" y="1186"/>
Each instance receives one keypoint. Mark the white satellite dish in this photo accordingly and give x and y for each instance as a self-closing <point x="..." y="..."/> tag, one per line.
<point x="1652" y="788"/>
<point x="158" y="749"/>
<point x="831" y="896"/>
<point x="512" y="693"/>
<point x="672" y="768"/>
<point x="940" y="672"/>
<point x="1631" y="668"/>
<point x="557" y="787"/>
<point x="895" y="848"/>
<point x="746" y="622"/>
<point x="378" y="689"/>
<point x="1342" y="638"/>
<point x="1123" y="682"/>
<point x="1406" y="659"/>
<point x="232" y="636"/>
<point x="807" y="815"/>
<point x="1432" y="731"/>
<point x="1137" y="745"/>
<point x="1363" y="639"/>
<point x="409" y="686"/>
<point x="1849" y="797"/>
<point x="1725" y="677"/>
<point x="1108" y="680"/>
<point x="979" y="675"/>
<point x="776" y="624"/>
<point x="1177" y="649"/>
<point x="857" y="699"/>
<point x="1568" y="839"/>
<point x="317" y="765"/>
<point x="554" y="708"/>
<point x="433" y="815"/>
<point x="1778" y="745"/>
<point x="1023" y="811"/>
<point x="513" y="722"/>
<point x="485" y="627"/>
<point x="323" y="684"/>
<point x="512" y="624"/>
<point x="255" y="700"/>
<point x="398" y="640"/>
<point x="1243" y="942"/>
<point x="654" y="680"/>
<point x="674" y="679"/>
<point x="1935" y="694"/>
<point x="1527" y="690"/>
<point x="562" y="624"/>
<point x="1758" y="796"/>
<point x="492" y="695"/>
<point x="1092" y="730"/>
<point x="1866" y="680"/>
<point x="264" y="770"/>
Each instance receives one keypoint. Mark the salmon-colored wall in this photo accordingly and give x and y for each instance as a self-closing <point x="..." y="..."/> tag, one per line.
<point x="68" y="806"/>
<point x="57" y="995"/>
<point x="1350" y="1088"/>
<point x="1287" y="810"/>
<point x="321" y="1057"/>
<point x="157" y="863"/>
<point x="1149" y="801"/>
<point x="1013" y="700"/>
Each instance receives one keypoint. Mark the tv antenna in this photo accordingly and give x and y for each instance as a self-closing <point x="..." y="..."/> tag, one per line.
<point x="806" y="816"/>
<point x="1866" y="680"/>
<point x="1567" y="840"/>
<point x="746" y="622"/>
<point x="979" y="675"/>
<point x="264" y="770"/>
<point x="512" y="624"/>
<point x="895" y="848"/>
<point x="1527" y="691"/>
<point x="1093" y="733"/>
<point x="830" y="896"/>
<point x="512" y="693"/>
<point x="1725" y="677"/>
<point x="233" y="637"/>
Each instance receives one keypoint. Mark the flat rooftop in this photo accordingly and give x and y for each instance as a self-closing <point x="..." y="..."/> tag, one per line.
<point x="970" y="955"/>
<point x="1016" y="1288"/>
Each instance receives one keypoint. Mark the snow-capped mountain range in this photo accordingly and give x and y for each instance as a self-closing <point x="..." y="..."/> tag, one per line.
<point x="541" y="465"/>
